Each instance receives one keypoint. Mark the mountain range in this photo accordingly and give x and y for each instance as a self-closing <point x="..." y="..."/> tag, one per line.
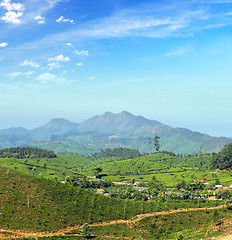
<point x="110" y="130"/>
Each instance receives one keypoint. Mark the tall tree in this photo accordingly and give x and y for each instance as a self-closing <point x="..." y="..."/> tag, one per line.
<point x="156" y="143"/>
<point x="149" y="143"/>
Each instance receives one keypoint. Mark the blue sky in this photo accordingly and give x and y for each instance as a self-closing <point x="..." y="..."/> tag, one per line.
<point x="169" y="61"/>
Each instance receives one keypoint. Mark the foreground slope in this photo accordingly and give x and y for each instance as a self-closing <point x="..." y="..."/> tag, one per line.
<point x="37" y="204"/>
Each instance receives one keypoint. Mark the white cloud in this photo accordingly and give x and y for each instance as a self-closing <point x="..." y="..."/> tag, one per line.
<point x="12" y="17"/>
<point x="53" y="65"/>
<point x="78" y="52"/>
<point x="177" y="52"/>
<point x="64" y="20"/>
<point x="79" y="64"/>
<point x="68" y="44"/>
<point x="30" y="63"/>
<point x="40" y="20"/>
<point x="50" y="78"/>
<point x="6" y="4"/>
<point x="14" y="11"/>
<point x="3" y="44"/>
<point x="60" y="58"/>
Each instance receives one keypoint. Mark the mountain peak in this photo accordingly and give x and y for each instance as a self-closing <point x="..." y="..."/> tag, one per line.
<point x="126" y="114"/>
<point x="55" y="126"/>
<point x="59" y="121"/>
<point x="107" y="114"/>
<point x="110" y="123"/>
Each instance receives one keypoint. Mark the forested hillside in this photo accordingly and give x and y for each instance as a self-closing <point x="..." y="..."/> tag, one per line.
<point x="26" y="152"/>
<point x="223" y="160"/>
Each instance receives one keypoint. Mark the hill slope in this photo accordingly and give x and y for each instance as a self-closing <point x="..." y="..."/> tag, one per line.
<point x="37" y="204"/>
<point x="56" y="126"/>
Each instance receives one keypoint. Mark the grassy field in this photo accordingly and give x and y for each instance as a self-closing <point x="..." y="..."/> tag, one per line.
<point x="171" y="179"/>
<point x="53" y="168"/>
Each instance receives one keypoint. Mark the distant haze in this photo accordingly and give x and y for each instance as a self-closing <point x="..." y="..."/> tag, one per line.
<point x="207" y="127"/>
<point x="110" y="130"/>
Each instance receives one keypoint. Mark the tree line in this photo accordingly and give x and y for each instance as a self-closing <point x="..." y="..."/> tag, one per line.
<point x="121" y="153"/>
<point x="26" y="152"/>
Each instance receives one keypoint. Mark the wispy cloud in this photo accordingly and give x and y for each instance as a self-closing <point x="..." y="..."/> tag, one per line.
<point x="153" y="20"/>
<point x="79" y="64"/>
<point x="29" y="73"/>
<point x="53" y="65"/>
<point x="14" y="74"/>
<point x="30" y="64"/>
<point x="91" y="78"/>
<point x="17" y="74"/>
<point x="217" y="25"/>
<point x="51" y="78"/>
<point x="176" y="52"/>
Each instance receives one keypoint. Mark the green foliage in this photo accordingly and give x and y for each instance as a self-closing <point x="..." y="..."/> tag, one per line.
<point x="38" y="204"/>
<point x="182" y="225"/>
<point x="52" y="168"/>
<point x="129" y="167"/>
<point x="156" y="143"/>
<point x="26" y="152"/>
<point x="179" y="236"/>
<point x="84" y="230"/>
<point x="120" y="153"/>
<point x="223" y="160"/>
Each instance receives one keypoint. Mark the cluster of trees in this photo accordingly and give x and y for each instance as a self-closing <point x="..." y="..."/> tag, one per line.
<point x="190" y="185"/>
<point x="86" y="183"/>
<point x="26" y="152"/>
<point x="223" y="160"/>
<point x="121" y="153"/>
<point x="154" y="188"/>
<point x="129" y="193"/>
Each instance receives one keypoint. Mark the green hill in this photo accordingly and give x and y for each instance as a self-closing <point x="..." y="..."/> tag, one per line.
<point x="37" y="204"/>
<point x="223" y="160"/>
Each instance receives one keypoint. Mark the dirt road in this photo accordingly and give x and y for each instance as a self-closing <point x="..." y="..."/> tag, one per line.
<point x="10" y="234"/>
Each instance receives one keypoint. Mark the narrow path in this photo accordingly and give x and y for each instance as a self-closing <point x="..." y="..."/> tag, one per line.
<point x="12" y="234"/>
